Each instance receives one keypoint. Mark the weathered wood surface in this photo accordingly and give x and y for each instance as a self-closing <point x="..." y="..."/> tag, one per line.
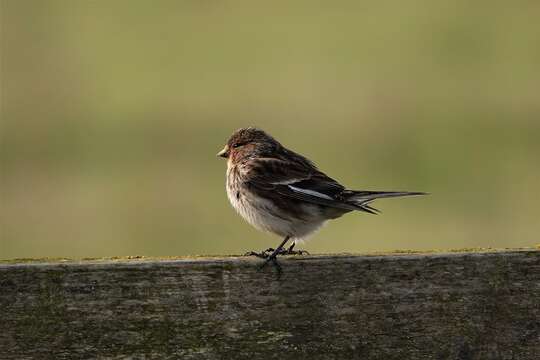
<point x="437" y="306"/>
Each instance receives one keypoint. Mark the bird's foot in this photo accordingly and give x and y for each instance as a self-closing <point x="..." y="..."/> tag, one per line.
<point x="270" y="255"/>
<point x="288" y="251"/>
<point x="266" y="253"/>
<point x="262" y="254"/>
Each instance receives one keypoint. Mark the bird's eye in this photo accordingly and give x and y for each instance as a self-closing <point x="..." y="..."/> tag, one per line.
<point x="237" y="145"/>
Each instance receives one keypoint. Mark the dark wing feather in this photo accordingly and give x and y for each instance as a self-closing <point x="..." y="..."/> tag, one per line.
<point x="313" y="199"/>
<point x="297" y="180"/>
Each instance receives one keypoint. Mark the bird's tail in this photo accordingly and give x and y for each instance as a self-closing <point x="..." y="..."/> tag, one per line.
<point x="361" y="199"/>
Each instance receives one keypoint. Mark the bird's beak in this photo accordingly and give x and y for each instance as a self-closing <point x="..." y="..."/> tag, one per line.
<point x="224" y="153"/>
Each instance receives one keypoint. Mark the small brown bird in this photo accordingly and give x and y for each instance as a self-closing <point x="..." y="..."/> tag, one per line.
<point x="280" y="191"/>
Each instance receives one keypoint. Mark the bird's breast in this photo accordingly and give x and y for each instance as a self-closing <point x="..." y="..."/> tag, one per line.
<point x="264" y="214"/>
<point x="256" y="210"/>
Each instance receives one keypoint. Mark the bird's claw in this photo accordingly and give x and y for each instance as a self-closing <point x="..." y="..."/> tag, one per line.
<point x="270" y="255"/>
<point x="297" y="252"/>
<point x="283" y="251"/>
<point x="262" y="254"/>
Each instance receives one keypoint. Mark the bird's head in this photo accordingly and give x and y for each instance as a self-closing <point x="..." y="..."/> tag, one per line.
<point x="248" y="143"/>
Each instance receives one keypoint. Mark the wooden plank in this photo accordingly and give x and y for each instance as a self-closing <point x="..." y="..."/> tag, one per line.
<point x="433" y="306"/>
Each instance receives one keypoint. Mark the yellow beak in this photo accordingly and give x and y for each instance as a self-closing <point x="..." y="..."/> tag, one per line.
<point x="224" y="153"/>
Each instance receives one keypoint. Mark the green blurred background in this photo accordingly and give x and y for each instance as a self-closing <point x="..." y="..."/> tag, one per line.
<point x="112" y="112"/>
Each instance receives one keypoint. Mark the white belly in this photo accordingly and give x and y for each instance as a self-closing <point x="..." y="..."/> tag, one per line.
<point x="263" y="215"/>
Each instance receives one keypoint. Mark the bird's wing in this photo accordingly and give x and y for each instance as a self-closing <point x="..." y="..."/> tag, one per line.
<point x="296" y="180"/>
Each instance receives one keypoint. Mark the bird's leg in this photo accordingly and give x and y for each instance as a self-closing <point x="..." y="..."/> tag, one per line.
<point x="282" y="251"/>
<point x="292" y="246"/>
<point x="272" y="257"/>
<point x="290" y="250"/>
<point x="269" y="252"/>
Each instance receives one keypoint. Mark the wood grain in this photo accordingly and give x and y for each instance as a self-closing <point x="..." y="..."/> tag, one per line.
<point x="434" y="306"/>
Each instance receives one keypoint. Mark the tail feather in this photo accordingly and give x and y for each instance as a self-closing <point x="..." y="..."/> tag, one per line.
<point x="369" y="209"/>
<point x="363" y="198"/>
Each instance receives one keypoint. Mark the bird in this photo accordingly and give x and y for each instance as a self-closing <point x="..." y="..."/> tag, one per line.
<point x="280" y="191"/>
